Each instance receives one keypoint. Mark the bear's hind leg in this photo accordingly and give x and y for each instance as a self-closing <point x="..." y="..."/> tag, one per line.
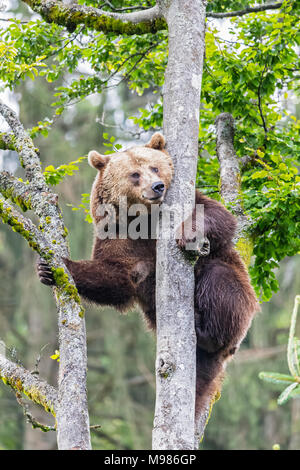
<point x="223" y="312"/>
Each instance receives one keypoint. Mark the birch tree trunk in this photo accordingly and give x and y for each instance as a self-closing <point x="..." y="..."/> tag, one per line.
<point x="174" y="420"/>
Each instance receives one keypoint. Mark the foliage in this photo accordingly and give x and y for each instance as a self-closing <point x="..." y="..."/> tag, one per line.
<point x="293" y="359"/>
<point x="10" y="68"/>
<point x="272" y="200"/>
<point x="252" y="75"/>
<point x="85" y="206"/>
<point x="112" y="59"/>
<point x="109" y="143"/>
<point x="55" y="176"/>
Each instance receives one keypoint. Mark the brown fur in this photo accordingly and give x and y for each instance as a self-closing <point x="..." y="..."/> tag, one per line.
<point x="122" y="271"/>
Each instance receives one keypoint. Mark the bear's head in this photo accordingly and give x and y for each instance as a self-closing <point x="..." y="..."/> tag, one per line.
<point x="142" y="174"/>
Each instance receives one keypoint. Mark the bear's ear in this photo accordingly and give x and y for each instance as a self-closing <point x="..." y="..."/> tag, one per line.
<point x="96" y="160"/>
<point x="157" y="142"/>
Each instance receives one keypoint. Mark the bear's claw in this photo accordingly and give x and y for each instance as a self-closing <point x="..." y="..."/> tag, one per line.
<point x="44" y="273"/>
<point x="202" y="248"/>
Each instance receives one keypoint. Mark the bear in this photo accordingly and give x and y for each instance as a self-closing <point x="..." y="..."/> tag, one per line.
<point x="121" y="271"/>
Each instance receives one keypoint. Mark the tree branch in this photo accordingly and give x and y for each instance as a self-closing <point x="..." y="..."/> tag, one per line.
<point x="110" y="5"/>
<point x="30" y="419"/>
<point x="27" y="196"/>
<point x="229" y="14"/>
<point x="15" y="190"/>
<point x="22" y="381"/>
<point x="24" y="146"/>
<point x="7" y="141"/>
<point x="260" y="102"/>
<point x="230" y="178"/>
<point x="26" y="228"/>
<point x="144" y="21"/>
<point x="72" y="410"/>
<point x="140" y="22"/>
<point x="229" y="166"/>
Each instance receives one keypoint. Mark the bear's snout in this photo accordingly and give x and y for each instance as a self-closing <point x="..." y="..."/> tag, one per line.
<point x="158" y="187"/>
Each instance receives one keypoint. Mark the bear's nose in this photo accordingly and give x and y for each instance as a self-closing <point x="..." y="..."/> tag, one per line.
<point x="158" y="187"/>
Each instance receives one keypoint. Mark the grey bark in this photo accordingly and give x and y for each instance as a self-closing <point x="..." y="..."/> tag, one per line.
<point x="71" y="14"/>
<point x="134" y="17"/>
<point x="23" y="381"/>
<point x="176" y="341"/>
<point x="230" y="174"/>
<point x="49" y="240"/>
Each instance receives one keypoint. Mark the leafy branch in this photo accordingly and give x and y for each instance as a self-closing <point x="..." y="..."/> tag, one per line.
<point x="246" y="11"/>
<point x="293" y="360"/>
<point x="140" y="22"/>
<point x="145" y="20"/>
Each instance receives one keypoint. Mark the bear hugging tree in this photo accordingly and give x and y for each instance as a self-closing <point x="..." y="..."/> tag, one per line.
<point x="122" y="269"/>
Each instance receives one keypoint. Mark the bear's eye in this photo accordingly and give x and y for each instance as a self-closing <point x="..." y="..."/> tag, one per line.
<point x="154" y="169"/>
<point x="135" y="175"/>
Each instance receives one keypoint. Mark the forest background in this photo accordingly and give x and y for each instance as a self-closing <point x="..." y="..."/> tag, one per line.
<point x="121" y="353"/>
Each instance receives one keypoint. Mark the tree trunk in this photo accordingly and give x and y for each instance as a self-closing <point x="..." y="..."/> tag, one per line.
<point x="174" y="420"/>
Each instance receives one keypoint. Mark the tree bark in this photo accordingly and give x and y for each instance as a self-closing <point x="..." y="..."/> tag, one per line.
<point x="22" y="381"/>
<point x="49" y="240"/>
<point x="72" y="15"/>
<point x="176" y="341"/>
<point x="230" y="183"/>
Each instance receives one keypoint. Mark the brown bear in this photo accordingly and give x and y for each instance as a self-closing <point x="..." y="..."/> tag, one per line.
<point x="122" y="269"/>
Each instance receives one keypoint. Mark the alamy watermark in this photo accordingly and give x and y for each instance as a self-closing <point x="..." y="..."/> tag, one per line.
<point x="138" y="221"/>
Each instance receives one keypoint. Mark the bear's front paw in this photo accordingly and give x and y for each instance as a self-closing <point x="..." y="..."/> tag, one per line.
<point x="44" y="273"/>
<point x="204" y="249"/>
<point x="198" y="245"/>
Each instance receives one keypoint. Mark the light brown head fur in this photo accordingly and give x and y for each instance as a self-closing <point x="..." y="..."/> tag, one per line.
<point x="142" y="174"/>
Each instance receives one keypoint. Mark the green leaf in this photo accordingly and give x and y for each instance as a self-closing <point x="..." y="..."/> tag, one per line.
<point x="274" y="377"/>
<point x="286" y="394"/>
<point x="259" y="174"/>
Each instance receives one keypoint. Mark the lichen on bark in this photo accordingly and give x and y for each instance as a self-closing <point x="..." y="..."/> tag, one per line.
<point x="70" y="16"/>
<point x="230" y="183"/>
<point x="22" y="381"/>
